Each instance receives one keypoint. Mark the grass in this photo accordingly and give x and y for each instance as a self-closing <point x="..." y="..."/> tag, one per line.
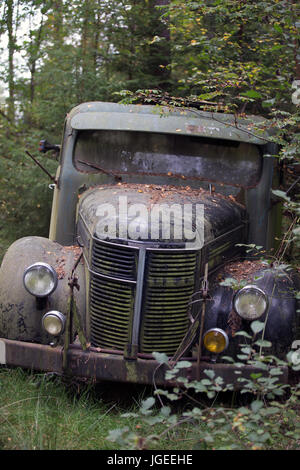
<point x="46" y="412"/>
<point x="42" y="412"/>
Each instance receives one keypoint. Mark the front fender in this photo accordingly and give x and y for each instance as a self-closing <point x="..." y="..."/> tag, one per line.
<point x="20" y="314"/>
<point x="282" y="318"/>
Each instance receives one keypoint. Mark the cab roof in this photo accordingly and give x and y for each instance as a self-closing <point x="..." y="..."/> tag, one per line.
<point x="99" y="115"/>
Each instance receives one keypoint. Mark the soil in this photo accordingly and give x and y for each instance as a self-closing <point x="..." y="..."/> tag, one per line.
<point x="169" y="192"/>
<point x="60" y="269"/>
<point x="241" y="270"/>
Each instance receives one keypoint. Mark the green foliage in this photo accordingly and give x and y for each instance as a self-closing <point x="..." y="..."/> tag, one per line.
<point x="267" y="422"/>
<point x="243" y="52"/>
<point x="25" y="198"/>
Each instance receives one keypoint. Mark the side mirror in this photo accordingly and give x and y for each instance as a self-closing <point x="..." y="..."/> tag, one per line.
<point x="45" y="146"/>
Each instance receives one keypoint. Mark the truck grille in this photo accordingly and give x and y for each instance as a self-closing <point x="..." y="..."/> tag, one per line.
<point x="168" y="283"/>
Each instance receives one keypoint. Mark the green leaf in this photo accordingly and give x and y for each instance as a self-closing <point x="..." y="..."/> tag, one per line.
<point x="199" y="387"/>
<point x="206" y="382"/>
<point x="252" y="94"/>
<point x="264" y="437"/>
<point x="170" y="374"/>
<point x="130" y="415"/>
<point x="257" y="326"/>
<point x="256" y="405"/>
<point x="183" y="365"/>
<point x="271" y="410"/>
<point x="243" y="410"/>
<point x="278" y="28"/>
<point x="242" y="357"/>
<point x="148" y="403"/>
<point x="260" y="365"/>
<point x="228" y="282"/>
<point x="227" y="358"/>
<point x="162" y="358"/>
<point x="281" y="194"/>
<point x="151" y="420"/>
<point x="165" y="411"/>
<point x="246" y="350"/>
<point x="268" y="104"/>
<point x="255" y="376"/>
<point x="263" y="343"/>
<point x="210" y="373"/>
<point x="243" y="333"/>
<point x="116" y="434"/>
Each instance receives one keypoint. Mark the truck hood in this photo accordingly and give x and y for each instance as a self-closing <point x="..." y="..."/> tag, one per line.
<point x="127" y="211"/>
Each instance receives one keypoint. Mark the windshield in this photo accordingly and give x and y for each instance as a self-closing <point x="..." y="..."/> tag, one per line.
<point x="177" y="156"/>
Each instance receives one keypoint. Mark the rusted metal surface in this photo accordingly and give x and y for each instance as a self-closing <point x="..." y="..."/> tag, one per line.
<point x="221" y="213"/>
<point x="111" y="367"/>
<point x="100" y="115"/>
<point x="33" y="356"/>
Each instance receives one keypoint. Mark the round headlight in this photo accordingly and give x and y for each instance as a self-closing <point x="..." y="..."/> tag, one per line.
<point x="40" y="279"/>
<point x="250" y="302"/>
<point x="215" y="340"/>
<point x="54" y="323"/>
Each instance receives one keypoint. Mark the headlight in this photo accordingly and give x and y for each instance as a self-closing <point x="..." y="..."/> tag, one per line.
<point x="40" y="279"/>
<point x="54" y="323"/>
<point x="215" y="340"/>
<point x="250" y="302"/>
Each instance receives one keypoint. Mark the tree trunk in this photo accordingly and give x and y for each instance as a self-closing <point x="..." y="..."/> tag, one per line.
<point x="11" y="51"/>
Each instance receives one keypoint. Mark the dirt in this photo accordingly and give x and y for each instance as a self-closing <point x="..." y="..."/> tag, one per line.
<point x="60" y="268"/>
<point x="241" y="270"/>
<point x="234" y="322"/>
<point x="75" y="249"/>
<point x="169" y="192"/>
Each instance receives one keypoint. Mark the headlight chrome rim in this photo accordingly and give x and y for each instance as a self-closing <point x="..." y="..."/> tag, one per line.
<point x="51" y="271"/>
<point x="244" y="290"/>
<point x="58" y="315"/>
<point x="220" y="331"/>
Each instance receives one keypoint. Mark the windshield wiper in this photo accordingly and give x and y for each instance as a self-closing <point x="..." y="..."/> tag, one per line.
<point x="97" y="167"/>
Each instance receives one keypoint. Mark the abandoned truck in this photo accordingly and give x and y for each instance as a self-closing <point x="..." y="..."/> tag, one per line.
<point x="150" y="209"/>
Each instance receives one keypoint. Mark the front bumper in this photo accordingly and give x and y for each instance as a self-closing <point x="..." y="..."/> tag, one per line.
<point x="100" y="366"/>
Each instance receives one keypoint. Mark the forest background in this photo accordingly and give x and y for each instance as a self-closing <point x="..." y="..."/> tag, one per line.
<point x="229" y="56"/>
